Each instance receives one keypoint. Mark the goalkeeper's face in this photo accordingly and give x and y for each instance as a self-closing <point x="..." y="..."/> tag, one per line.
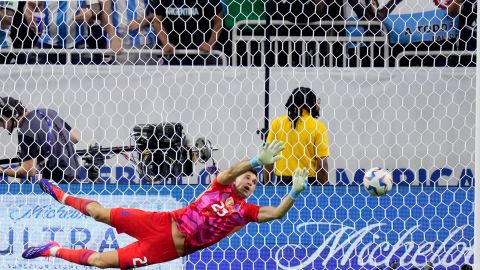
<point x="245" y="184"/>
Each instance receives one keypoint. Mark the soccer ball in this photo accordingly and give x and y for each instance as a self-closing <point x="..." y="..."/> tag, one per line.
<point x="377" y="181"/>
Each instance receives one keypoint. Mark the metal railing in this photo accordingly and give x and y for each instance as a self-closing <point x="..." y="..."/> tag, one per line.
<point x="405" y="54"/>
<point x="331" y="37"/>
<point x="106" y="52"/>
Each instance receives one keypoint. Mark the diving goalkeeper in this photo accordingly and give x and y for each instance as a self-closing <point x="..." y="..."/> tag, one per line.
<point x="164" y="236"/>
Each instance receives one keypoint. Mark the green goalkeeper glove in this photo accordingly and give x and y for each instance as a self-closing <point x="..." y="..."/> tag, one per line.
<point x="300" y="182"/>
<point x="269" y="154"/>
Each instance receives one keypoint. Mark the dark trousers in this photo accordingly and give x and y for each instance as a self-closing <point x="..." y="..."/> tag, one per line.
<point x="192" y="60"/>
<point x="242" y="53"/>
<point x="61" y="58"/>
<point x="7" y="58"/>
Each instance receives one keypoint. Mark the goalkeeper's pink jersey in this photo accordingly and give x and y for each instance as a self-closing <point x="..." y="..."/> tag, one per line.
<point x="215" y="214"/>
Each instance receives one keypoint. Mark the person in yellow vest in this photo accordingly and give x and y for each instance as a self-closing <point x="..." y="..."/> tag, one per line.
<point x="305" y="138"/>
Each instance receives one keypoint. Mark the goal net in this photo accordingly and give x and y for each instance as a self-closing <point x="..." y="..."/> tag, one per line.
<point x="164" y="96"/>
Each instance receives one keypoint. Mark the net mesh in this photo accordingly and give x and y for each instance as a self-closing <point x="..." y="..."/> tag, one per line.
<point x="162" y="95"/>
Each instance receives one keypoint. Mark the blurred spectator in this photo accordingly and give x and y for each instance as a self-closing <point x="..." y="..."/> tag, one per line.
<point x="7" y="10"/>
<point x="370" y="10"/>
<point x="419" y="26"/>
<point x="305" y="138"/>
<point x="366" y="10"/>
<point x="305" y="19"/>
<point x="431" y="30"/>
<point x="22" y="36"/>
<point x="128" y="25"/>
<point x="467" y="23"/>
<point x="62" y="25"/>
<point x="189" y="24"/>
<point x="235" y="11"/>
<point x="97" y="39"/>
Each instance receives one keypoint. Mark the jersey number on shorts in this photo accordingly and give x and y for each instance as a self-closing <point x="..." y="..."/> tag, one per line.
<point x="219" y="209"/>
<point x="139" y="261"/>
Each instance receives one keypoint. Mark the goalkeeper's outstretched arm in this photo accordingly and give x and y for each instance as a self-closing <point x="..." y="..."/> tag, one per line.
<point x="267" y="213"/>
<point x="269" y="154"/>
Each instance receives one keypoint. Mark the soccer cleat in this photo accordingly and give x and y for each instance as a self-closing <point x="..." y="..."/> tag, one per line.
<point x="51" y="188"/>
<point x="42" y="251"/>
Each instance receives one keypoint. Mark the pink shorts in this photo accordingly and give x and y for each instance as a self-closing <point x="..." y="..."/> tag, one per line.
<point x="153" y="230"/>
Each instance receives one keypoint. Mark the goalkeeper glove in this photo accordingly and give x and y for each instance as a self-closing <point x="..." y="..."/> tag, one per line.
<point x="269" y="154"/>
<point x="300" y="183"/>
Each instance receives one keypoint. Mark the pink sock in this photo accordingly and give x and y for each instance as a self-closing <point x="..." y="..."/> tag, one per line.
<point x="78" y="256"/>
<point x="78" y="203"/>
